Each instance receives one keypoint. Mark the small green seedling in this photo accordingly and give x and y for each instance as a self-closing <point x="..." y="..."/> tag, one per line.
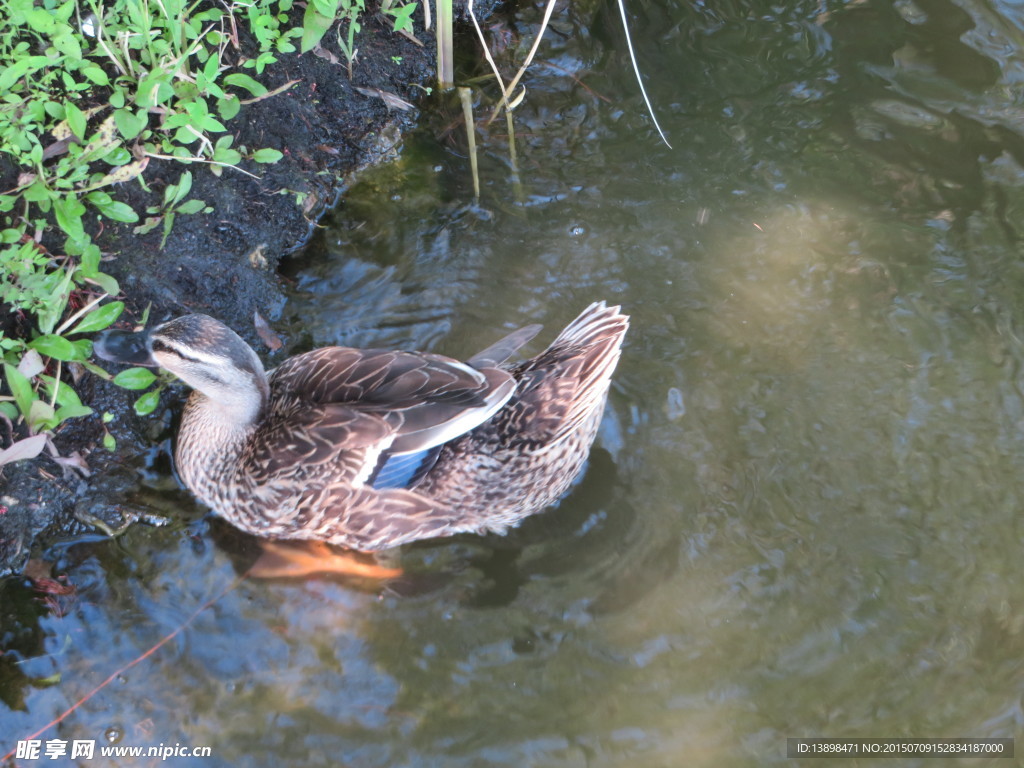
<point x="171" y="206"/>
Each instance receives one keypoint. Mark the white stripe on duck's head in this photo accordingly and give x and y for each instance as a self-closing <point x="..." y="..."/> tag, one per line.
<point x="201" y="351"/>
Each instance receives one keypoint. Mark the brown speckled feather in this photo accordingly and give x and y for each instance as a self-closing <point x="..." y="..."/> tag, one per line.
<point x="366" y="378"/>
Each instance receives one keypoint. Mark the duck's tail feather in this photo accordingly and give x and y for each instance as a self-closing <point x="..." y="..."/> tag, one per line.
<point x="599" y="329"/>
<point x="561" y="388"/>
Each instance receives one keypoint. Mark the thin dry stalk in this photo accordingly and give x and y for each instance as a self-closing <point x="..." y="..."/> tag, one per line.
<point x="445" y="45"/>
<point x="548" y="10"/>
<point x="517" y="183"/>
<point x="466" y="97"/>
<point x="488" y="56"/>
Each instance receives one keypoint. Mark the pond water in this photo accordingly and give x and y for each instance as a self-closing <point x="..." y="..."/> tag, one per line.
<point x="801" y="516"/>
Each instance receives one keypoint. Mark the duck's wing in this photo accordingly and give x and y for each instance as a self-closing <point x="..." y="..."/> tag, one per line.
<point x="502" y="350"/>
<point x="379" y="377"/>
<point x="306" y="440"/>
<point x="426" y="399"/>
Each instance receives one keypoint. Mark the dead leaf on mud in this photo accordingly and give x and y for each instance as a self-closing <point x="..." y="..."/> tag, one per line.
<point x="323" y="53"/>
<point x="266" y="333"/>
<point x="256" y="257"/>
<point x="391" y="100"/>
<point x="73" y="461"/>
<point x="28" y="448"/>
<point x="123" y="173"/>
<point x="410" y="36"/>
<point x="58" y="147"/>
<point x="31" y="364"/>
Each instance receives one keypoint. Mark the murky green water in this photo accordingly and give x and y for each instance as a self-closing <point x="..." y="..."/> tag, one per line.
<point x="802" y="514"/>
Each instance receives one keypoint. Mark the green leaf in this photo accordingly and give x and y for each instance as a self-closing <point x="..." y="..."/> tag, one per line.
<point x="76" y="119"/>
<point x="212" y="69"/>
<point x="98" y="76"/>
<point x="314" y="27"/>
<point x="68" y="212"/>
<point x="147" y="226"/>
<point x="192" y="206"/>
<point x="117" y="155"/>
<point x="95" y="370"/>
<point x="56" y="347"/>
<point x="402" y="16"/>
<point x="135" y="378"/>
<point x="84" y="348"/>
<point x="119" y="212"/>
<point x="10" y="410"/>
<point x="228" y="107"/>
<point x="267" y="155"/>
<point x="181" y="189"/>
<point x="21" y="68"/>
<point x="128" y="123"/>
<point x="155" y="88"/>
<point x="89" y="260"/>
<point x="65" y="394"/>
<point x="37" y="192"/>
<point x="109" y="442"/>
<point x="243" y="80"/>
<point x="211" y="124"/>
<point x="72" y="412"/>
<point x="41" y="415"/>
<point x="168" y="224"/>
<point x="99" y="318"/>
<point x="147" y="403"/>
<point x="67" y="43"/>
<point x="21" y="388"/>
<point x="63" y="13"/>
<point x="40" y="20"/>
<point x="227" y="155"/>
<point x="327" y="8"/>
<point x="106" y="282"/>
<point x="48" y="316"/>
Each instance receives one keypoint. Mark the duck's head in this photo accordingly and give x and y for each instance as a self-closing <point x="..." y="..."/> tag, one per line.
<point x="202" y="352"/>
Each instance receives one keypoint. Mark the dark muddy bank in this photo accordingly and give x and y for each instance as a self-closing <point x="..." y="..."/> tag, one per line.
<point x="224" y="263"/>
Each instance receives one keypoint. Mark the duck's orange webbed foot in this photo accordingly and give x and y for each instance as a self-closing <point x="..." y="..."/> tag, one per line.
<point x="297" y="559"/>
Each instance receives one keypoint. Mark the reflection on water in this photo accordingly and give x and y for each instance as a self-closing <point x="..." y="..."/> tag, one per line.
<point x="801" y="516"/>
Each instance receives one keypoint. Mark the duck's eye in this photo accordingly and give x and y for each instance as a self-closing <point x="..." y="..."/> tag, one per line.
<point x="158" y="346"/>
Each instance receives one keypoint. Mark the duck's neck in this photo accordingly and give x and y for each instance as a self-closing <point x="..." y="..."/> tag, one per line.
<point x="233" y="403"/>
<point x="212" y="437"/>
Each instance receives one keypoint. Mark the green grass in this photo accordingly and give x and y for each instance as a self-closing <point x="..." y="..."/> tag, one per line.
<point x="90" y="92"/>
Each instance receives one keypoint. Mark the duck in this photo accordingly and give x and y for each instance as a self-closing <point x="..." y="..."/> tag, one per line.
<point x="370" y="449"/>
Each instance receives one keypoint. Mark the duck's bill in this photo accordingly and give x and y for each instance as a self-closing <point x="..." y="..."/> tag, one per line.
<point x="124" y="347"/>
